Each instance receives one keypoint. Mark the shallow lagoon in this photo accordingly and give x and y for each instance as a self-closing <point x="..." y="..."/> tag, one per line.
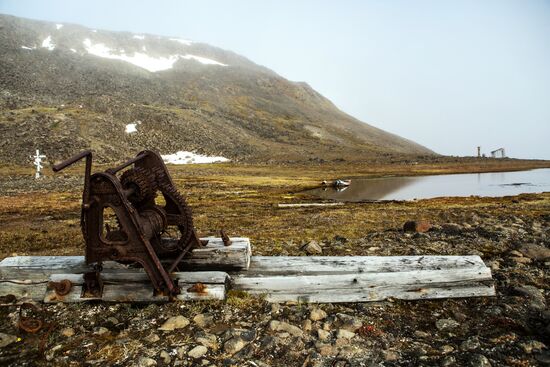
<point x="493" y="184"/>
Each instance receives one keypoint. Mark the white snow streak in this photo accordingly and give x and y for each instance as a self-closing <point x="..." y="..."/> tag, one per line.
<point x="203" y="60"/>
<point x="58" y="26"/>
<point x="139" y="37"/>
<point x="73" y="50"/>
<point x="28" y="48"/>
<point x="47" y="43"/>
<point x="139" y="59"/>
<point x="143" y="60"/>
<point x="183" y="157"/>
<point x="182" y="41"/>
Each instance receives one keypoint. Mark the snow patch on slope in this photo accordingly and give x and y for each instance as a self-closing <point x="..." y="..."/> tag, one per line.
<point x="183" y="157"/>
<point x="139" y="59"/>
<point x="131" y="128"/>
<point x="138" y="36"/>
<point x="143" y="60"/>
<point x="202" y="60"/>
<point x="182" y="41"/>
<point x="47" y="43"/>
<point x="28" y="48"/>
<point x="58" y="26"/>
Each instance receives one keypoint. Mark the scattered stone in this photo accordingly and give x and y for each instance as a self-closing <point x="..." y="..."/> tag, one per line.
<point x="203" y="320"/>
<point x="312" y="248"/>
<point x="180" y="351"/>
<point x="101" y="331"/>
<point x="535" y="252"/>
<point x="325" y="349"/>
<point x="390" y="355"/>
<point x="68" y="332"/>
<point x="348" y="322"/>
<point x="470" y="344"/>
<point x="248" y="335"/>
<point x="421" y="334"/>
<point x="112" y="320"/>
<point x="532" y="345"/>
<point x="317" y="314"/>
<point x="175" y="322"/>
<point x="417" y="226"/>
<point x="341" y="342"/>
<point x="323" y="335"/>
<point x="275" y="307"/>
<point x="516" y="253"/>
<point x="448" y="361"/>
<point x="350" y="351"/>
<point x="521" y="260"/>
<point x="446" y="324"/>
<point x="306" y="325"/>
<point x="538" y="300"/>
<point x="479" y="360"/>
<point x="234" y="345"/>
<point x="146" y="362"/>
<point x="343" y="333"/>
<point x="208" y="341"/>
<point x="165" y="357"/>
<point x="7" y="339"/>
<point x="153" y="338"/>
<point x="275" y="325"/>
<point x="446" y="349"/>
<point x="197" y="352"/>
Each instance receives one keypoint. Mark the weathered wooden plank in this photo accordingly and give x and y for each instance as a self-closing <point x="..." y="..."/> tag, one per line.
<point x="364" y="287"/>
<point x="360" y="281"/>
<point x="296" y="265"/>
<point x="137" y="292"/>
<point x="136" y="287"/>
<point x="214" y="256"/>
<point x="30" y="291"/>
<point x="434" y="291"/>
<point x="206" y="277"/>
<point x="306" y="205"/>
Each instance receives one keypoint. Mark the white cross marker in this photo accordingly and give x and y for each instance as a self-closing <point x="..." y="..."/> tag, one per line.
<point x="38" y="163"/>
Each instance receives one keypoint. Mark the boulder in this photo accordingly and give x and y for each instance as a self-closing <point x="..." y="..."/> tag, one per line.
<point x="420" y="226"/>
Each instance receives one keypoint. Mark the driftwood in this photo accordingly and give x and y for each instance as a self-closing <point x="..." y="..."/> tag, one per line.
<point x="278" y="278"/>
<point x="306" y="205"/>
<point x="214" y="256"/>
<point x="120" y="287"/>
<point x="361" y="279"/>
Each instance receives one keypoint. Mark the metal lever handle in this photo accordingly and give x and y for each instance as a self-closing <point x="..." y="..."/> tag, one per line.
<point x="87" y="173"/>
<point x="68" y="162"/>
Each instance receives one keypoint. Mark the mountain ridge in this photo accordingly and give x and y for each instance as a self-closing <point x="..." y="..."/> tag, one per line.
<point x="66" y="87"/>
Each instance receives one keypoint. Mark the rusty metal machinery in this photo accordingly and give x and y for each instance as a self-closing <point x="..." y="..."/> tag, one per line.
<point x="122" y="220"/>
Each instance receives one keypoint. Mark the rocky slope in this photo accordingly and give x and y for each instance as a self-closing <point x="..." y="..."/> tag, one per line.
<point x="64" y="87"/>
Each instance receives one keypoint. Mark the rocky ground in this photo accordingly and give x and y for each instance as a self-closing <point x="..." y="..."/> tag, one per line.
<point x="512" y="235"/>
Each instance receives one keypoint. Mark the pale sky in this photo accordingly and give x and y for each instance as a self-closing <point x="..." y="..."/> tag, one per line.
<point x="450" y="75"/>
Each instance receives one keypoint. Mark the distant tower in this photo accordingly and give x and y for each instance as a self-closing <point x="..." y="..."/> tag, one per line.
<point x="38" y="163"/>
<point x="478" y="152"/>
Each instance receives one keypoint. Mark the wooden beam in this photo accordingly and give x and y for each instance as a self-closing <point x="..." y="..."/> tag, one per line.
<point x="308" y="205"/>
<point x="318" y="265"/>
<point x="214" y="256"/>
<point x="120" y="287"/>
<point x="418" y="284"/>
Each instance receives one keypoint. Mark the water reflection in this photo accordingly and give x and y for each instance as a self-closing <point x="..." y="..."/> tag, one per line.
<point x="423" y="187"/>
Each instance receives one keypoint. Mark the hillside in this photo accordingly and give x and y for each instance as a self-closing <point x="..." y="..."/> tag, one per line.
<point x="64" y="87"/>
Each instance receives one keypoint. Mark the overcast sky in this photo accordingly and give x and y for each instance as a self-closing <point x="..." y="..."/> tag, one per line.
<point x="450" y="75"/>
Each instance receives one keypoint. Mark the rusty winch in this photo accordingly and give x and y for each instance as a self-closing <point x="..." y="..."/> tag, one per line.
<point x="123" y="220"/>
